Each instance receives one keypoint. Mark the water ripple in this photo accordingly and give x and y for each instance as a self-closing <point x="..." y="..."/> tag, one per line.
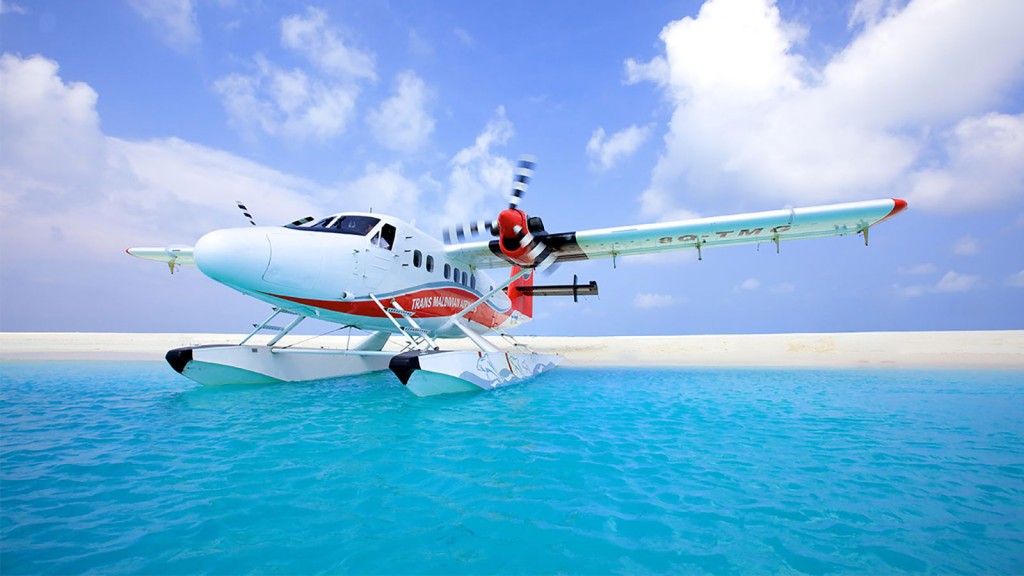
<point x="113" y="468"/>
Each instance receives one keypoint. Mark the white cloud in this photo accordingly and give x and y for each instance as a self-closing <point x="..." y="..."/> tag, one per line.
<point x="648" y="301"/>
<point x="784" y="288"/>
<point x="310" y="36"/>
<point x="655" y="71"/>
<point x="46" y="123"/>
<point x="953" y="282"/>
<point x="286" y="102"/>
<point x="385" y="189"/>
<point x="480" y="179"/>
<point x="1016" y="280"/>
<point x="12" y="8"/>
<point x="297" y="103"/>
<point x="949" y="283"/>
<point x="750" y="284"/>
<point x="871" y="12"/>
<point x="420" y="46"/>
<point x="111" y="193"/>
<point x="918" y="270"/>
<point x="464" y="37"/>
<point x="753" y="119"/>
<point x="174" y="21"/>
<point x="966" y="246"/>
<point x="401" y="123"/>
<point x="605" y="152"/>
<point x="982" y="167"/>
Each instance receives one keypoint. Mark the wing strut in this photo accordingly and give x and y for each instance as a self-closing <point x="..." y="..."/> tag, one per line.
<point x="281" y="332"/>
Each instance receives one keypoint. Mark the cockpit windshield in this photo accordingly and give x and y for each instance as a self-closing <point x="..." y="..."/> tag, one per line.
<point x="344" y="224"/>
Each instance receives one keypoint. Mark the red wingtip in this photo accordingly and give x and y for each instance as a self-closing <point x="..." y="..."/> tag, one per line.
<point x="898" y="206"/>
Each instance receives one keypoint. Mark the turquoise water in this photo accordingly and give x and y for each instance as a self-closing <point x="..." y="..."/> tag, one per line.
<point x="129" y="468"/>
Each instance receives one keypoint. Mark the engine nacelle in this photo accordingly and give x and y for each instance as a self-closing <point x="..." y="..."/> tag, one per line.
<point x="515" y="239"/>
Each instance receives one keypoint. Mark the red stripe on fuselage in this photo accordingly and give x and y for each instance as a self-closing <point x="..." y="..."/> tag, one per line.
<point x="435" y="303"/>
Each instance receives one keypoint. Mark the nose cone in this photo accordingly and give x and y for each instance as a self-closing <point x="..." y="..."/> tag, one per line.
<point x="236" y="256"/>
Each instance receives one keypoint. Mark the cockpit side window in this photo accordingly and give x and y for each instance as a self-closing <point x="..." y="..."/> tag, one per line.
<point x="385" y="238"/>
<point x="387" y="235"/>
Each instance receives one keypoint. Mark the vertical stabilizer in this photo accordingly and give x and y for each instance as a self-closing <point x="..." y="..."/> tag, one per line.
<point x="522" y="303"/>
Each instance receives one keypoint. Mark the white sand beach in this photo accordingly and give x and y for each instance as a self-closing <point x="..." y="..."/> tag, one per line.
<point x="950" y="349"/>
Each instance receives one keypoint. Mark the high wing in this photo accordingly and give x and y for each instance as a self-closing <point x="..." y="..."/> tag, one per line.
<point x="172" y="255"/>
<point x="772" y="226"/>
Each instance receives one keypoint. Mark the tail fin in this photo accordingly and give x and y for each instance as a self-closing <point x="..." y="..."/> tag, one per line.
<point x="522" y="303"/>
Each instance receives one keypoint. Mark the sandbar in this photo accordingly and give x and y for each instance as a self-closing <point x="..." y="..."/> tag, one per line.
<point x="986" y="349"/>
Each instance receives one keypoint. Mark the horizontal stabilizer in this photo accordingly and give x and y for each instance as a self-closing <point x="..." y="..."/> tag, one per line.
<point x="171" y="255"/>
<point x="575" y="289"/>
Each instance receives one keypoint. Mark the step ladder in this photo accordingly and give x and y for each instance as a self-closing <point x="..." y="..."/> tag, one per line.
<point x="516" y="344"/>
<point x="417" y="337"/>
<point x="281" y="331"/>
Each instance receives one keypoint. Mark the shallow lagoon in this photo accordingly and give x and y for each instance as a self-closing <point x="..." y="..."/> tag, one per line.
<point x="127" y="467"/>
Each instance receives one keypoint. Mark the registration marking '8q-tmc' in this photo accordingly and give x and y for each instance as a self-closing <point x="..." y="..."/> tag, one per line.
<point x="690" y="238"/>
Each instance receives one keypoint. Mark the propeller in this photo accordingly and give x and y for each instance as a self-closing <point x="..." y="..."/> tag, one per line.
<point x="302" y="221"/>
<point x="521" y="180"/>
<point x="512" y="227"/>
<point x="454" y="234"/>
<point x="245" y="212"/>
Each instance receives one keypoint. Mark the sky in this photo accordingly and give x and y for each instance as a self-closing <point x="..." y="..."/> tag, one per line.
<point x="141" y="122"/>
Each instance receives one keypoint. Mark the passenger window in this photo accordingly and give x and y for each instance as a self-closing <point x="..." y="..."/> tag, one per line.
<point x="417" y="258"/>
<point x="472" y="282"/>
<point x="430" y="263"/>
<point x="465" y="280"/>
<point x="447" y="271"/>
<point x="458" y="275"/>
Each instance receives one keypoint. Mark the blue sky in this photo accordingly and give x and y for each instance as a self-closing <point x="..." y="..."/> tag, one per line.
<point x="141" y="122"/>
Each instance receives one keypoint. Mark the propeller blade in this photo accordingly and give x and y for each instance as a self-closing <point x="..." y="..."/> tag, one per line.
<point x="548" y="265"/>
<point x="245" y="212"/>
<point x="302" y="221"/>
<point x="521" y="180"/>
<point x="454" y="234"/>
<point x="544" y="259"/>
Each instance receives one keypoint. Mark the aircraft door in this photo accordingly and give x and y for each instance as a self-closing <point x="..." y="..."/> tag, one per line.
<point x="379" y="256"/>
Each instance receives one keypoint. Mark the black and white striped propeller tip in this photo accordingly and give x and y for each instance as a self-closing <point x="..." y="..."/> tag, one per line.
<point x="521" y="179"/>
<point x="454" y="234"/>
<point x="245" y="212"/>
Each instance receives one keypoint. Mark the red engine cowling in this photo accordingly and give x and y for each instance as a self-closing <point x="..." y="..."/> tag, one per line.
<point x="515" y="239"/>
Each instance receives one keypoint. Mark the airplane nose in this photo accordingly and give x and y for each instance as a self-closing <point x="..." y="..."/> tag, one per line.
<point x="235" y="256"/>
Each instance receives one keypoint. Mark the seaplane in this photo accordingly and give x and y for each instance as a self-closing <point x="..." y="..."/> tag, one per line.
<point x="380" y="274"/>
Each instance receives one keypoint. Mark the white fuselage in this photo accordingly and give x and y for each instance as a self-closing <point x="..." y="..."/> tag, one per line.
<point x="333" y="270"/>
